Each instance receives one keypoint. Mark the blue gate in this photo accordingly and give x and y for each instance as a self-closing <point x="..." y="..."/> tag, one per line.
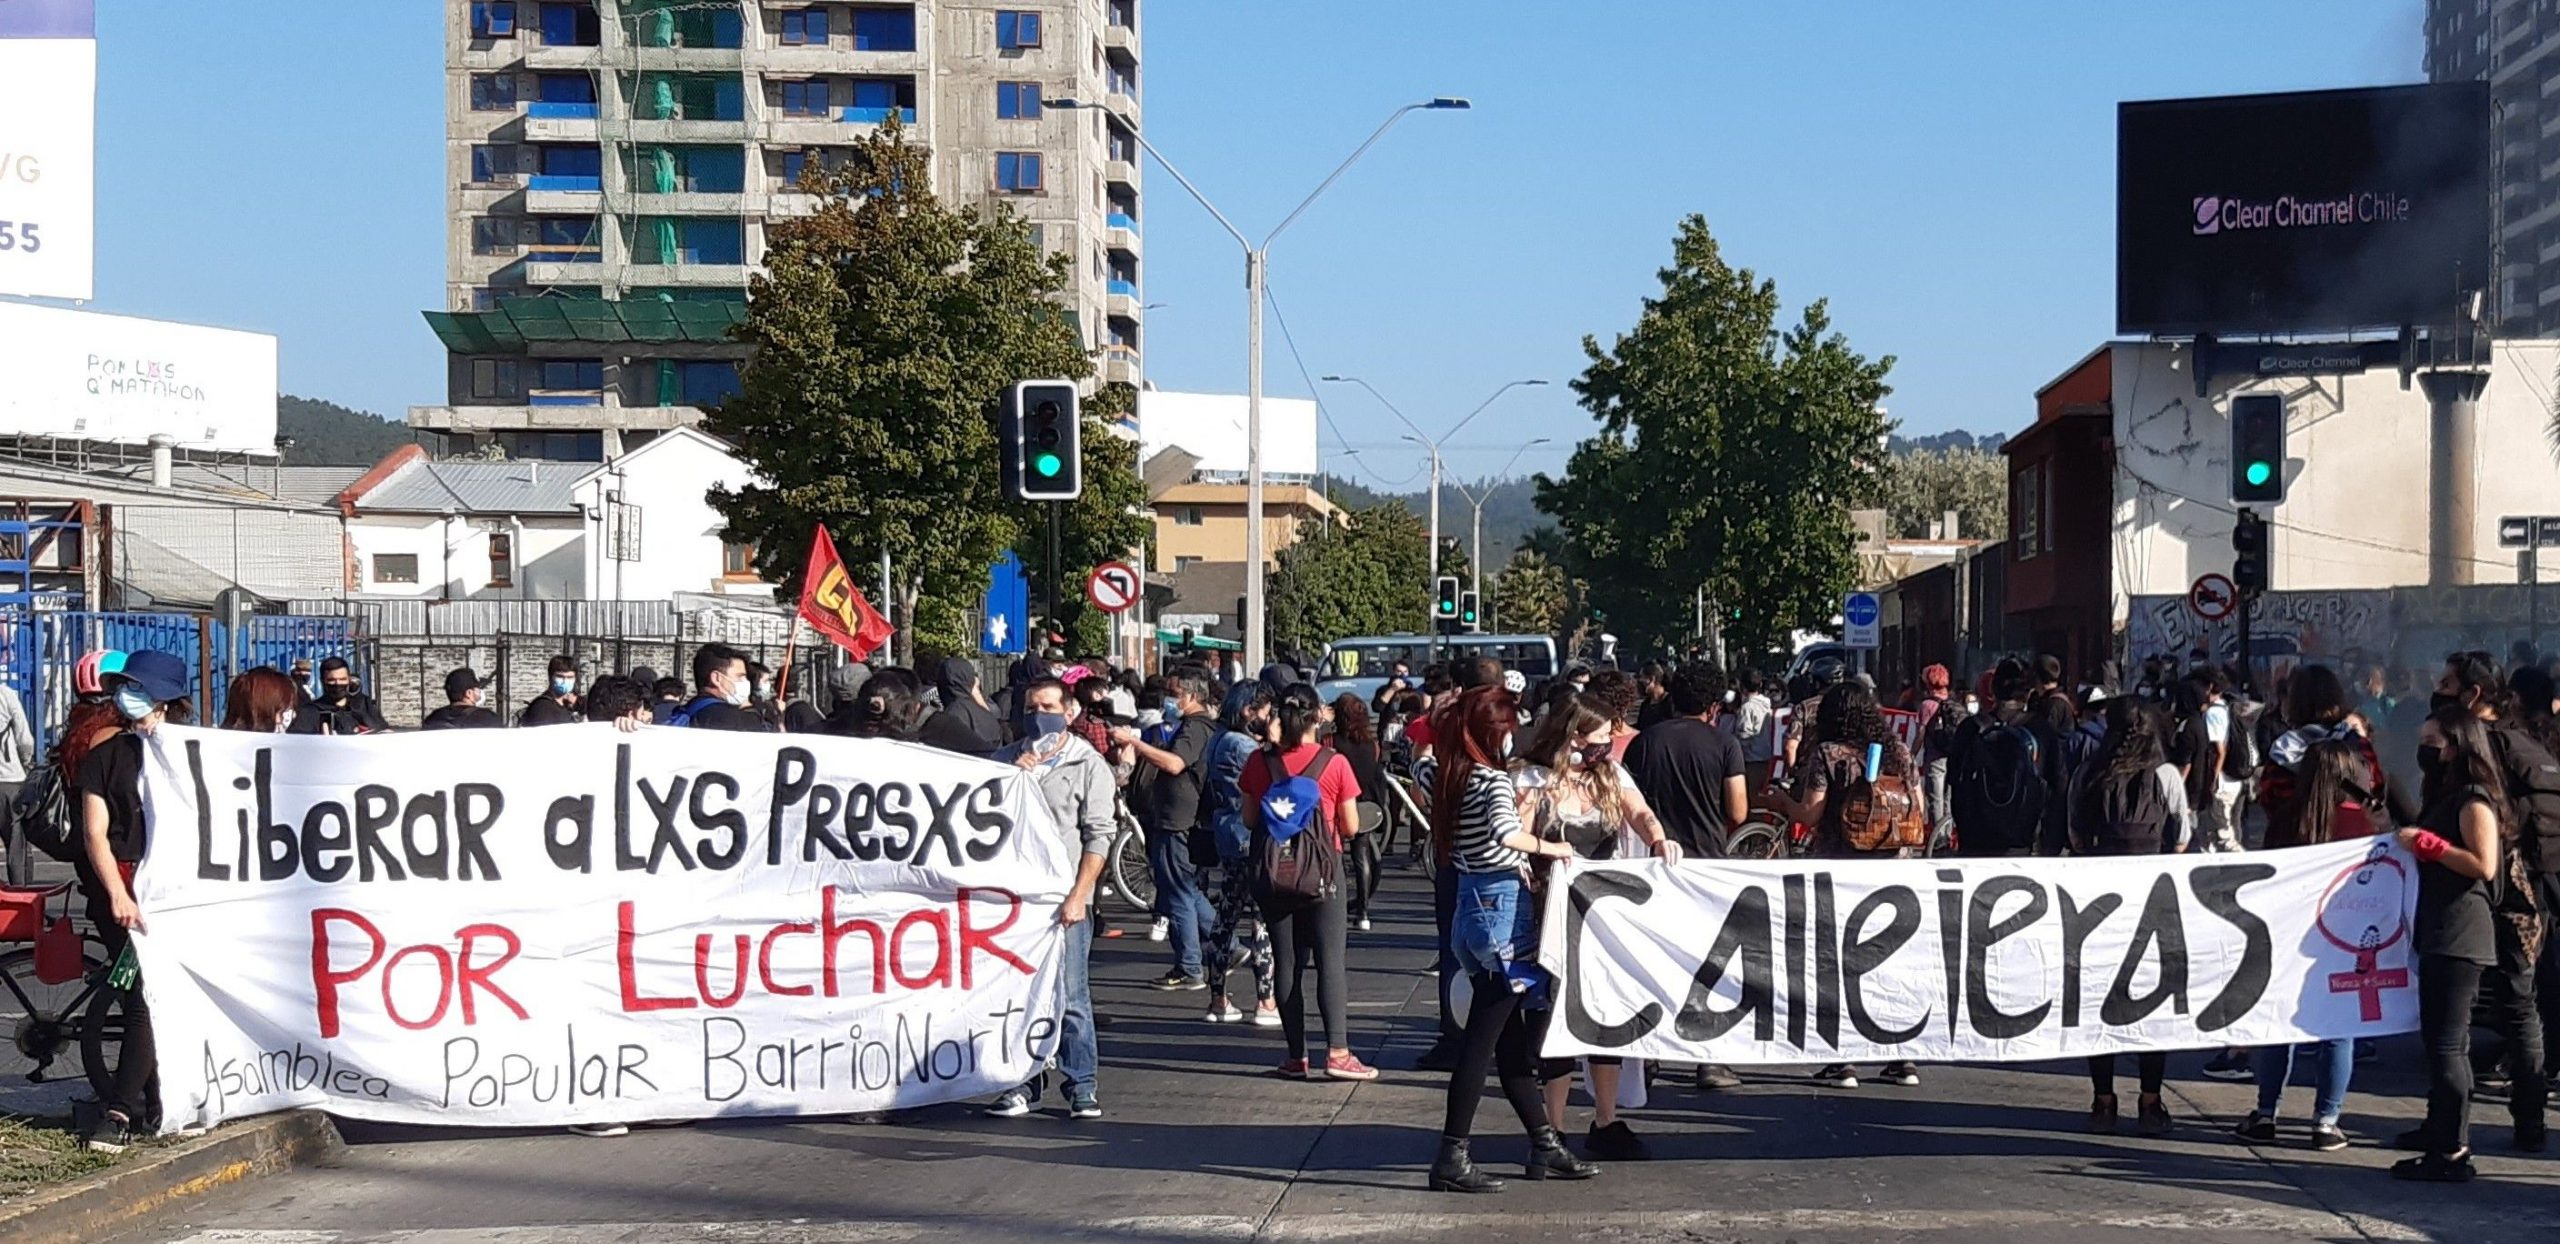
<point x="41" y="648"/>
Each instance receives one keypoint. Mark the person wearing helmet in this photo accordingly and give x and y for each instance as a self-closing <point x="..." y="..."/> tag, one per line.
<point x="150" y="689"/>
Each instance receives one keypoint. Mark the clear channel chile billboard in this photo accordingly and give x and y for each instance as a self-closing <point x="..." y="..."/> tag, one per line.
<point x="2317" y="210"/>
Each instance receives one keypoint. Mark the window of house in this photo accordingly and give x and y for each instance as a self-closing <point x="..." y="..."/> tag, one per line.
<point x="884" y="29"/>
<point x="571" y="25"/>
<point x="564" y="88"/>
<point x="1187" y="516"/>
<point x="502" y="559"/>
<point x="493" y="235"/>
<point x="571" y="374"/>
<point x="1017" y="29"/>
<point x="2026" y="509"/>
<point x="804" y="26"/>
<point x="490" y="163"/>
<point x="494" y="378"/>
<point x="1018" y="171"/>
<point x="493" y="92"/>
<point x="492" y="19"/>
<point x="1018" y="101"/>
<point x="805" y="99"/>
<point x="1181" y="564"/>
<point x="395" y="567"/>
<point x="737" y="561"/>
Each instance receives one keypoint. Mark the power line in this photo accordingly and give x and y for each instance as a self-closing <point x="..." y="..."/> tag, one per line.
<point x="1309" y="380"/>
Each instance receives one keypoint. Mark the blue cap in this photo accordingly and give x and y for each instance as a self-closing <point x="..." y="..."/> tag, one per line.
<point x="161" y="676"/>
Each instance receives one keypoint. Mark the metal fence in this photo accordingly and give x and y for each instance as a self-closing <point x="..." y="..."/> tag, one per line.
<point x="39" y="646"/>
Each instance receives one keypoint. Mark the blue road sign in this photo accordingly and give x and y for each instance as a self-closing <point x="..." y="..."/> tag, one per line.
<point x="1008" y="608"/>
<point x="1862" y="611"/>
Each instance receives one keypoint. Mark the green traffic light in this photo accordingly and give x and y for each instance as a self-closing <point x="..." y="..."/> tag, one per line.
<point x="1048" y="465"/>
<point x="2259" y="473"/>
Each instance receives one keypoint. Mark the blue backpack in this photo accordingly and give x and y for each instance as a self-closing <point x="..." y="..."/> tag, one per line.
<point x="1292" y="867"/>
<point x="693" y="708"/>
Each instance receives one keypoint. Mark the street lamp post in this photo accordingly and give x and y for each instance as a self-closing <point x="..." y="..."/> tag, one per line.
<point x="1434" y="447"/>
<point x="1476" y="502"/>
<point x="1255" y="263"/>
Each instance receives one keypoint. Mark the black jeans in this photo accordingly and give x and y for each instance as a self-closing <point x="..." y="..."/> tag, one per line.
<point x="1361" y="862"/>
<point x="1444" y="912"/>
<point x="136" y="1089"/>
<point x="2447" y="990"/>
<point x="2546" y="976"/>
<point x="1315" y="932"/>
<point x="1500" y="1033"/>
<point x="2152" y="1066"/>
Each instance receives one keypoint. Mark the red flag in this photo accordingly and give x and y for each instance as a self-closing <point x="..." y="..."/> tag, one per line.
<point x="831" y="603"/>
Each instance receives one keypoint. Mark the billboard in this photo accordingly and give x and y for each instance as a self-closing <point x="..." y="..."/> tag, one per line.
<point x="1211" y="426"/>
<point x="2318" y="210"/>
<point x="85" y="376"/>
<point x="48" y="125"/>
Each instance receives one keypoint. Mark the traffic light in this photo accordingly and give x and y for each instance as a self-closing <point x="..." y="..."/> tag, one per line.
<point x="1444" y="607"/>
<point x="2249" y="552"/>
<point x="2257" y="449"/>
<point x="1042" y="440"/>
<point x="1467" y="616"/>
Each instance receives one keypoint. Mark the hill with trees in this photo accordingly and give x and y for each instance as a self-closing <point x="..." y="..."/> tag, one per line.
<point x="327" y="434"/>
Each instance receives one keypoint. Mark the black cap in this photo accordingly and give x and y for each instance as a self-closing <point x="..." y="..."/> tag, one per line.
<point x="457" y="683"/>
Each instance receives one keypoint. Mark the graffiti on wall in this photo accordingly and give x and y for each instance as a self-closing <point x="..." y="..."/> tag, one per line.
<point x="2338" y="626"/>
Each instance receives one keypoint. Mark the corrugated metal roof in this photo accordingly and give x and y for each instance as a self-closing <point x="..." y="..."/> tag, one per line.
<point x="530" y="486"/>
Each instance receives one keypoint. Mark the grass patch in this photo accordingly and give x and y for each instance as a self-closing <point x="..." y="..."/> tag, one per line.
<point x="37" y="1152"/>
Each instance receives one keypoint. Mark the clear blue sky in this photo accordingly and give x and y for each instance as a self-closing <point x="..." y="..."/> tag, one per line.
<point x="1943" y="173"/>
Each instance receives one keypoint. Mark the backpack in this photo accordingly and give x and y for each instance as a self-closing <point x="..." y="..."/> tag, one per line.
<point x="2126" y="816"/>
<point x="2533" y="791"/>
<point x="1882" y="814"/>
<point x="1997" y="788"/>
<point x="1292" y="867"/>
<point x="1944" y="729"/>
<point x="2240" y="755"/>
<point x="692" y="708"/>
<point x="43" y="814"/>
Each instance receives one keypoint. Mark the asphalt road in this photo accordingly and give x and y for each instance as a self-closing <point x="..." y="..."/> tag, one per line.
<point x="1200" y="1143"/>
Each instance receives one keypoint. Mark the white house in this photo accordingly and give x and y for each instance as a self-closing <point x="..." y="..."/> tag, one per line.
<point x="432" y="530"/>
<point x="650" y="530"/>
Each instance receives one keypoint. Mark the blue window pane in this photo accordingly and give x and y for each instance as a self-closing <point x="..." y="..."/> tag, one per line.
<point x="713" y="242"/>
<point x="872" y="93"/>
<point x="1018" y="170"/>
<point x="884" y="30"/>
<point x="571" y="374"/>
<point x="493" y="92"/>
<point x="565" y="88"/>
<point x="572" y="161"/>
<point x="1015" y="29"/>
<point x="804" y="99"/>
<point x="493" y="19"/>
<point x="707" y="383"/>
<point x="792" y="163"/>
<point x="569" y="25"/>
<point x="714" y="170"/>
<point x="804" y="26"/>
<point x="1018" y="101"/>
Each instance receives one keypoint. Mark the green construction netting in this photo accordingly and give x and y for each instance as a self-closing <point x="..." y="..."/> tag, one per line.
<point x="518" y="321"/>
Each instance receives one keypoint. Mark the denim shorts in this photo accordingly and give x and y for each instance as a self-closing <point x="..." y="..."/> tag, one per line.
<point x="1495" y="929"/>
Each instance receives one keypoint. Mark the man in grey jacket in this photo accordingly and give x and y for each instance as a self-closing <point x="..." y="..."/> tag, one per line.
<point x="1076" y="783"/>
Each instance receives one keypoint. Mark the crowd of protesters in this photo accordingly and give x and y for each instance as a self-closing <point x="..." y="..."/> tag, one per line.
<point x="1225" y="775"/>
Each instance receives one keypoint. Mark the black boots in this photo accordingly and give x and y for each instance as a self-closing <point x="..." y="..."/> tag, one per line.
<point x="1549" y="1159"/>
<point x="1455" y="1171"/>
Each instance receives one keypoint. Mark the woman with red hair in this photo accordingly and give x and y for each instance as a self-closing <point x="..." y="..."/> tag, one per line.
<point x="1476" y="829"/>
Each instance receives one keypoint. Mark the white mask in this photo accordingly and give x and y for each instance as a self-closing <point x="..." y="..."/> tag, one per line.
<point x="738" y="692"/>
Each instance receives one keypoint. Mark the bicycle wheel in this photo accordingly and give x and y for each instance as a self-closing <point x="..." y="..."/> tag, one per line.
<point x="1755" y="840"/>
<point x="43" y="1021"/>
<point x="1130" y="876"/>
<point x="102" y="1041"/>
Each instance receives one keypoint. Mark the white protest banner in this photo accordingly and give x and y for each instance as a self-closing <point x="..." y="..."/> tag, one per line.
<point x="1991" y="960"/>
<point x="511" y="928"/>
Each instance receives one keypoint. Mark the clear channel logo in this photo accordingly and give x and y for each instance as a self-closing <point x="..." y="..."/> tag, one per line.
<point x="2217" y="214"/>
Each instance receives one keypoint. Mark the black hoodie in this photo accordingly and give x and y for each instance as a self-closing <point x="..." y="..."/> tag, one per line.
<point x="963" y="725"/>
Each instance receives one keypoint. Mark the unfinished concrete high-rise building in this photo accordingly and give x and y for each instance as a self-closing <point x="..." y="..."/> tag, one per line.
<point x="612" y="167"/>
<point x="2514" y="46"/>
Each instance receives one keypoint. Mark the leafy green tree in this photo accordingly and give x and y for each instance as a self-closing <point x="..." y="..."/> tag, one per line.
<point x="1917" y="488"/>
<point x="1728" y="453"/>
<point x="1366" y="576"/>
<point x="886" y="325"/>
<point x="1531" y="595"/>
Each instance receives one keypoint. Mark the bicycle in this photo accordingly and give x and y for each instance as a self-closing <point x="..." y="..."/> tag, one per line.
<point x="55" y="1007"/>
<point x="1131" y="881"/>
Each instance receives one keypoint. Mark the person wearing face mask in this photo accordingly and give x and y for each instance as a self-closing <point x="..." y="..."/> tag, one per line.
<point x="1572" y="792"/>
<point x="1168" y="805"/>
<point x="1246" y="717"/>
<point x="151" y="689"/>
<point x="463" y="710"/>
<point x="558" y="703"/>
<point x="341" y="709"/>
<point x="261" y="701"/>
<point x="2461" y="938"/>
<point x="721" y="693"/>
<point x="1078" y="788"/>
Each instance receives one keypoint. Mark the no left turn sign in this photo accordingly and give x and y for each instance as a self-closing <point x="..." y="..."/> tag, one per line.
<point x="1112" y="587"/>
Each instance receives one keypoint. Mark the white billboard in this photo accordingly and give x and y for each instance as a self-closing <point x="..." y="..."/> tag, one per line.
<point x="1211" y="427"/>
<point x="85" y="376"/>
<point x="48" y="156"/>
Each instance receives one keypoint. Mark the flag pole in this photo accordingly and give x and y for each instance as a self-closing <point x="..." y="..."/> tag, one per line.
<point x="791" y="646"/>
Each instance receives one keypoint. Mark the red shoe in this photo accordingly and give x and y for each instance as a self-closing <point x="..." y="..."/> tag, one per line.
<point x="1294" y="1069"/>
<point x="1347" y="1066"/>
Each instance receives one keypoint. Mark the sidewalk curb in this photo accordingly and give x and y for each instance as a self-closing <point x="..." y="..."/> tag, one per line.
<point x="158" y="1179"/>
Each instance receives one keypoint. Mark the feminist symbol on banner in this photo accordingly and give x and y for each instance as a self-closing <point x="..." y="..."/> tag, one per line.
<point x="2364" y="901"/>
